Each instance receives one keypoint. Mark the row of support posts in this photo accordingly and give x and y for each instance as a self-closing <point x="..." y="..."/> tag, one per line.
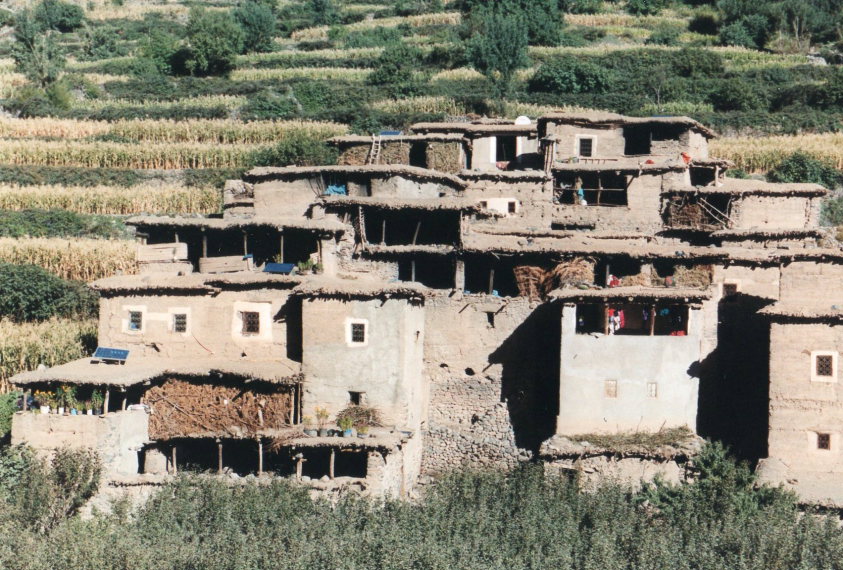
<point x="174" y="469"/>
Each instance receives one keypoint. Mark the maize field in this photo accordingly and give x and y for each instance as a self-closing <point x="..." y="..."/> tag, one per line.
<point x="113" y="200"/>
<point x="335" y="73"/>
<point x="440" y="19"/>
<point x="78" y="259"/>
<point x="760" y="154"/>
<point x="23" y="346"/>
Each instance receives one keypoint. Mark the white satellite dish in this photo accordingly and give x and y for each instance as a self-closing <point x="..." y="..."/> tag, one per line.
<point x="522" y="120"/>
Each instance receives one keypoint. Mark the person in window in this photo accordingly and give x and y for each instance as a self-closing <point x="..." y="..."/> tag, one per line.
<point x="580" y="192"/>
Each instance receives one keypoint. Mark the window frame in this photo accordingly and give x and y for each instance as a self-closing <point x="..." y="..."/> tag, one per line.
<point x="176" y="318"/>
<point x="127" y="320"/>
<point x="823" y="437"/>
<point x="610" y="389"/>
<point x="247" y="318"/>
<point x="578" y="146"/>
<point x="815" y="376"/>
<point x="350" y="323"/>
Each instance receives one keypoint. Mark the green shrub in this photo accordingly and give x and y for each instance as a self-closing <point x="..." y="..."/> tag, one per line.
<point x="35" y="51"/>
<point x="645" y="7"/>
<point x="581" y="6"/>
<point x="58" y="15"/>
<point x="372" y="37"/>
<point x="156" y="53"/>
<point x="258" y="24"/>
<point x="498" y="47"/>
<point x="296" y="150"/>
<point x="271" y="105"/>
<point x="100" y="43"/>
<point x="735" y="34"/>
<point x="8" y="407"/>
<point x="704" y="23"/>
<point x="569" y="75"/>
<point x="737" y="95"/>
<point x="802" y="167"/>
<point x="665" y="35"/>
<point x="59" y="223"/>
<point x="30" y="293"/>
<point x="395" y="68"/>
<point x="323" y="12"/>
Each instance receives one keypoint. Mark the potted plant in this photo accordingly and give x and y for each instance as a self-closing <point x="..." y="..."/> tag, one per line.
<point x="308" y="426"/>
<point x="321" y="421"/>
<point x="346" y="424"/>
<point x="60" y="400"/>
<point x="43" y="399"/>
<point x="97" y="400"/>
<point x="363" y="431"/>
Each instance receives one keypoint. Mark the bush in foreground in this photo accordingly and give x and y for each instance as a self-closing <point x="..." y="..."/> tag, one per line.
<point x="31" y="293"/>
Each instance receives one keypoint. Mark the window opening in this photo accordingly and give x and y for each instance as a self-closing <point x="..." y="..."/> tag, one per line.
<point x="135" y="320"/>
<point x="505" y="149"/>
<point x="511" y="206"/>
<point x="652" y="390"/>
<point x="358" y="333"/>
<point x="586" y="147"/>
<point x="180" y="322"/>
<point x="824" y="365"/>
<point x="357" y="398"/>
<point x="730" y="289"/>
<point x="251" y="322"/>
<point x="418" y="155"/>
<point x="610" y="388"/>
<point x="823" y="441"/>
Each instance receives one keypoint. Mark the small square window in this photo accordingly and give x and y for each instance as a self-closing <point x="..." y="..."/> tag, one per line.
<point x="358" y="333"/>
<point x="586" y="147"/>
<point x="484" y="204"/>
<point x="180" y="323"/>
<point x="824" y="364"/>
<point x="251" y="322"/>
<point x="610" y="388"/>
<point x="135" y="321"/>
<point x="357" y="398"/>
<point x="824" y="441"/>
<point x="730" y="289"/>
<point x="652" y="390"/>
<point x="511" y="206"/>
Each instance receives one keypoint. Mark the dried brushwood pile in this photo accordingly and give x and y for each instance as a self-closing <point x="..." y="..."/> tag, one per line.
<point x="360" y="416"/>
<point x="444" y="156"/>
<point x="687" y="213"/>
<point x="577" y="272"/>
<point x="529" y="280"/>
<point x="639" y="279"/>
<point x="392" y="152"/>
<point x="185" y="409"/>
<point x="693" y="276"/>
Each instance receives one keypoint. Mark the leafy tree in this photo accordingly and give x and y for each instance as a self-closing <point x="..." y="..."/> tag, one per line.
<point x="100" y="43"/>
<point x="499" y="47"/>
<point x="665" y="35"/>
<point x="802" y="167"/>
<point x="296" y="149"/>
<point x="258" y="23"/>
<point x="157" y="53"/>
<point x="737" y="95"/>
<point x="36" y="53"/>
<point x="542" y="18"/>
<point x="581" y="6"/>
<point x="568" y="75"/>
<point x="394" y="69"/>
<point x="58" y="15"/>
<point x="735" y="34"/>
<point x="8" y="407"/>
<point x="31" y="293"/>
<point x="213" y="41"/>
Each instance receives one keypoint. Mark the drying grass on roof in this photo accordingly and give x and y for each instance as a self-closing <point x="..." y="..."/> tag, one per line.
<point x="114" y="200"/>
<point x="77" y="259"/>
<point x="638" y="440"/>
<point x="23" y="346"/>
<point x="116" y="155"/>
<point x="759" y="154"/>
<point x="336" y="73"/>
<point x="439" y="19"/>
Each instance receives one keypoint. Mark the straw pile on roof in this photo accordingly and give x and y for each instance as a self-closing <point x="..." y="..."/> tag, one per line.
<point x="445" y="156"/>
<point x="529" y="280"/>
<point x="576" y="272"/>
<point x="187" y="409"/>
<point x="393" y="151"/>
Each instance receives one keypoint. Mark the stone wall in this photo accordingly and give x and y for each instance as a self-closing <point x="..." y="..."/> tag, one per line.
<point x="792" y="212"/>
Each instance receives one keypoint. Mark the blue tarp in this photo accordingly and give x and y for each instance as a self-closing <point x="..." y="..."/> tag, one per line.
<point x="336" y="190"/>
<point x="279" y="268"/>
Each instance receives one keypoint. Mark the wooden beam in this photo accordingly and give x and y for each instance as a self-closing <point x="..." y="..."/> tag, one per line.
<point x="605" y="319"/>
<point x="204" y="243"/>
<point x="652" y="320"/>
<point x="106" y="401"/>
<point x="260" y="456"/>
<point x="383" y="232"/>
<point x="281" y="248"/>
<point x="331" y="463"/>
<point x="299" y="461"/>
<point x="177" y="237"/>
<point x="219" y="456"/>
<point x="412" y="270"/>
<point x="174" y="469"/>
<point x="123" y="405"/>
<point x="491" y="281"/>
<point x="245" y="244"/>
<point x="416" y="233"/>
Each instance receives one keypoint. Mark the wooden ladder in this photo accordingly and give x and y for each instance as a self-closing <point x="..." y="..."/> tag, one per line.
<point x="375" y="152"/>
<point x="361" y="227"/>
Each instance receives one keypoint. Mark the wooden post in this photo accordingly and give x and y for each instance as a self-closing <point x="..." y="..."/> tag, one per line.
<point x="177" y="237"/>
<point x="281" y="248"/>
<point x="383" y="232"/>
<point x="299" y="461"/>
<point x="245" y="244"/>
<point x="605" y="319"/>
<point x="491" y="281"/>
<point x="173" y="465"/>
<point x="260" y="456"/>
<point x="599" y="188"/>
<point x="219" y="456"/>
<point x="416" y="233"/>
<point x="106" y="401"/>
<point x="412" y="270"/>
<point x="606" y="282"/>
<point x="652" y="320"/>
<point x="123" y="405"/>
<point x="204" y="243"/>
<point x="459" y="275"/>
<point x="331" y="464"/>
<point x="23" y="404"/>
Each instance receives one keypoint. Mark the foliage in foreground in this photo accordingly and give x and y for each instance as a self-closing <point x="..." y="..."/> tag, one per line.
<point x="487" y="520"/>
<point x="30" y="293"/>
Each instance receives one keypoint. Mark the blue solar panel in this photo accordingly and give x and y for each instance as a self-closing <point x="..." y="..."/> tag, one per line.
<point x="104" y="353"/>
<point x="390" y="133"/>
<point x="280" y="268"/>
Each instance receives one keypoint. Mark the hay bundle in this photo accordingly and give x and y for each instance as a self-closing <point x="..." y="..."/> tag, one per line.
<point x="184" y="409"/>
<point x="694" y="276"/>
<point x="639" y="279"/>
<point x="682" y="212"/>
<point x="395" y="152"/>
<point x="445" y="156"/>
<point x="529" y="280"/>
<point x="354" y="155"/>
<point x="577" y="272"/>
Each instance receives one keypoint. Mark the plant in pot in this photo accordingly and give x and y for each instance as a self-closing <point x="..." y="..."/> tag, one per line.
<point x="60" y="400"/>
<point x="346" y="424"/>
<point x="70" y="401"/>
<point x="322" y="421"/>
<point x="43" y="398"/>
<point x="363" y="431"/>
<point x="97" y="400"/>
<point x="308" y="426"/>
